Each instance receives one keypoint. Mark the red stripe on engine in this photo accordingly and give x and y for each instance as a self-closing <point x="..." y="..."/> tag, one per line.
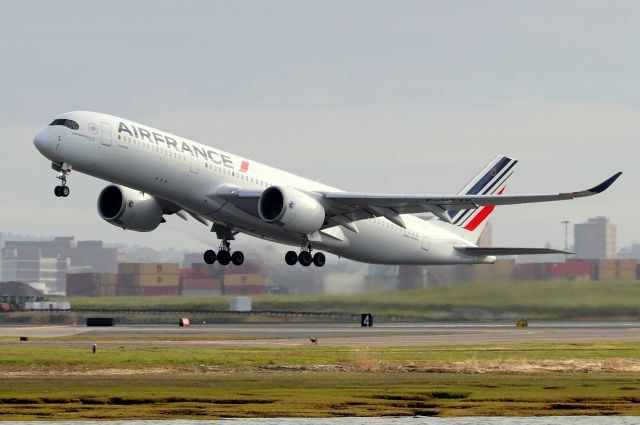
<point x="482" y="215"/>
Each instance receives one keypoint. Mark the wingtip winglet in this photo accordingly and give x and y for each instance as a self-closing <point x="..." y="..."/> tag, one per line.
<point x="605" y="184"/>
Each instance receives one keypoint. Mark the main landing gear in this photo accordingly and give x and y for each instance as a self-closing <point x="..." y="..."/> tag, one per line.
<point x="305" y="258"/>
<point x="63" y="170"/>
<point x="224" y="255"/>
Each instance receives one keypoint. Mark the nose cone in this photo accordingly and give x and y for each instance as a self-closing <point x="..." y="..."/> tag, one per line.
<point x="41" y="142"/>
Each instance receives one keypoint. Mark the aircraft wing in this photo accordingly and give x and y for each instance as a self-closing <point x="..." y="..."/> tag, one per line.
<point x="343" y="208"/>
<point x="352" y="205"/>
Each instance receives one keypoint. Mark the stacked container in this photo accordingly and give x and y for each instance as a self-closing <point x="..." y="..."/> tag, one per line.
<point x="243" y="280"/>
<point x="148" y="279"/>
<point x="201" y="281"/>
<point x="616" y="269"/>
<point x="92" y="284"/>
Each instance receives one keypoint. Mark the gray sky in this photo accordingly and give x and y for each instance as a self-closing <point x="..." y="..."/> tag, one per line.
<point x="395" y="96"/>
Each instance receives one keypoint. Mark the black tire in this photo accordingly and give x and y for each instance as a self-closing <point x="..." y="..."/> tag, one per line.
<point x="305" y="258"/>
<point x="237" y="258"/>
<point x="56" y="191"/>
<point x="64" y="191"/>
<point x="224" y="257"/>
<point x="209" y="256"/>
<point x="319" y="259"/>
<point x="291" y="258"/>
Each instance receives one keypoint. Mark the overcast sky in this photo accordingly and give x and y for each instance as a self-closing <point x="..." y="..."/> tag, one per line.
<point x="395" y="97"/>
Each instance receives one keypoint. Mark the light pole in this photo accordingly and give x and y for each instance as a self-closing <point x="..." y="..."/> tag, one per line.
<point x="566" y="238"/>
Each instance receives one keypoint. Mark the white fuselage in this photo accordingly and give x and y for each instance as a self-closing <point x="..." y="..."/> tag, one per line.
<point x="187" y="173"/>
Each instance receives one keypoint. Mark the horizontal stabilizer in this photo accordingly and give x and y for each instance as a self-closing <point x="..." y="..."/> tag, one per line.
<point x="472" y="250"/>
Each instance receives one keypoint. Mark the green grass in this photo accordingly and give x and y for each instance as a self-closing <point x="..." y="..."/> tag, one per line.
<point x="200" y="396"/>
<point x="191" y="357"/>
<point x="61" y="383"/>
<point x="540" y="300"/>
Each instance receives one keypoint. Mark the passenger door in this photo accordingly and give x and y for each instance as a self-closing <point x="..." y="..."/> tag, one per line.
<point x="106" y="133"/>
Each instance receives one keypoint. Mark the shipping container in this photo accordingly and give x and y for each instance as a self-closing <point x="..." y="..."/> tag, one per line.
<point x="109" y="279"/>
<point x="157" y="279"/>
<point x="31" y="305"/>
<point x="625" y="274"/>
<point x="570" y="269"/>
<point x="128" y="280"/>
<point x="244" y="290"/>
<point x="243" y="279"/>
<point x="159" y="290"/>
<point x="148" y="268"/>
<point x="244" y="268"/>
<point x="201" y="283"/>
<point x="201" y="292"/>
<point x="200" y="273"/>
<point x="126" y="291"/>
<point x="86" y="289"/>
<point x="628" y="264"/>
<point x="84" y="278"/>
<point x="107" y="291"/>
<point x="606" y="274"/>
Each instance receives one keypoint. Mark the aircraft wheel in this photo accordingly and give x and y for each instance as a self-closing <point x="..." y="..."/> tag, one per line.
<point x="305" y="258"/>
<point x="291" y="258"/>
<point x="209" y="256"/>
<point x="57" y="191"/>
<point x="237" y="258"/>
<point x="224" y="257"/>
<point x="319" y="259"/>
<point x="64" y="191"/>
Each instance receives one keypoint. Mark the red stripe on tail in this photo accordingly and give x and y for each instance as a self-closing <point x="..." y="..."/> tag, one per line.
<point x="482" y="215"/>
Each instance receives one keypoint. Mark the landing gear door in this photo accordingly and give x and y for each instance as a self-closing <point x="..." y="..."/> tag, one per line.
<point x="106" y="133"/>
<point x="425" y="243"/>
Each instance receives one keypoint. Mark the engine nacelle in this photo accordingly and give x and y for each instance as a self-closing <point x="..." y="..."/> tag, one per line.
<point x="129" y="209"/>
<point x="294" y="210"/>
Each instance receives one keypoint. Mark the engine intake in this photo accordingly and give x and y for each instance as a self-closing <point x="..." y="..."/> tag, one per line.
<point x="129" y="209"/>
<point x="292" y="209"/>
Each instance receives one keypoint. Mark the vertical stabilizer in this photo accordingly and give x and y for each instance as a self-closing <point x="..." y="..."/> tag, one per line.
<point x="491" y="180"/>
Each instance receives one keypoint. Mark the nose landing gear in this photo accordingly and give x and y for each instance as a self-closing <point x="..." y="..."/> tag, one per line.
<point x="63" y="170"/>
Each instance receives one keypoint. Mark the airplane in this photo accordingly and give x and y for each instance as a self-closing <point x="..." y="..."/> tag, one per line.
<point x="154" y="173"/>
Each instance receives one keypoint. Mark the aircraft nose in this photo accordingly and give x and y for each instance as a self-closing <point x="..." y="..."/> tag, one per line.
<point x="40" y="141"/>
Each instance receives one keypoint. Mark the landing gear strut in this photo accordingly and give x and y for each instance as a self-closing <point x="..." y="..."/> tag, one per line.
<point x="305" y="258"/>
<point x="224" y="255"/>
<point x="63" y="170"/>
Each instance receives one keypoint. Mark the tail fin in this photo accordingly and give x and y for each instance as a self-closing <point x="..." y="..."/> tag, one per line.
<point x="490" y="181"/>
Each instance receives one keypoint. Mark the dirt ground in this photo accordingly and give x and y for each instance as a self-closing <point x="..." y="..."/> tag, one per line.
<point x="469" y="366"/>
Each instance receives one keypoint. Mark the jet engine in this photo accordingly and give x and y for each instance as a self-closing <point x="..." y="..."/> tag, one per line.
<point x="292" y="209"/>
<point x="129" y="209"/>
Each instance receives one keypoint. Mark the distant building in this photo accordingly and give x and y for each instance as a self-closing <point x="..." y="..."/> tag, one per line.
<point x="595" y="239"/>
<point x="630" y="252"/>
<point x="49" y="261"/>
<point x="29" y="266"/>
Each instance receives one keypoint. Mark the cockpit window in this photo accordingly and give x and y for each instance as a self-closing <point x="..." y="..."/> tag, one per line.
<point x="67" y="123"/>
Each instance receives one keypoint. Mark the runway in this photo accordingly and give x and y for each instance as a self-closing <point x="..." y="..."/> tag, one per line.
<point x="339" y="335"/>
